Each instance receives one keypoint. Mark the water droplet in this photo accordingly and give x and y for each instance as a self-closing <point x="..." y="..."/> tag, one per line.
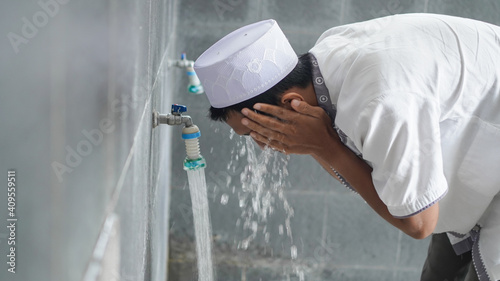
<point x="224" y="198"/>
<point x="243" y="151"/>
<point x="244" y="244"/>
<point x="293" y="252"/>
<point x="254" y="226"/>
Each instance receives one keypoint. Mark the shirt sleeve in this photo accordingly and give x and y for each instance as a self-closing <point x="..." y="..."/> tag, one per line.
<point x="399" y="135"/>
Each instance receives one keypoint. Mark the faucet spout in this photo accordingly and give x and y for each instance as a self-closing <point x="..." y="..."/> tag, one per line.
<point x="173" y="118"/>
<point x="190" y="134"/>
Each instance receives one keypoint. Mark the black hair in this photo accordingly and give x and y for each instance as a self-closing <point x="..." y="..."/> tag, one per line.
<point x="300" y="76"/>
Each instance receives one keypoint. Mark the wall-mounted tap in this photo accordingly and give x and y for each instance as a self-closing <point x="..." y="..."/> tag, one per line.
<point x="190" y="134"/>
<point x="175" y="117"/>
<point x="194" y="85"/>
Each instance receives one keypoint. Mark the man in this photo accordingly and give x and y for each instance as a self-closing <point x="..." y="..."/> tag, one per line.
<point x="405" y="110"/>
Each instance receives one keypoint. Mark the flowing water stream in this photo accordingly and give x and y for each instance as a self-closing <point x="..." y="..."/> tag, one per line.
<point x="202" y="226"/>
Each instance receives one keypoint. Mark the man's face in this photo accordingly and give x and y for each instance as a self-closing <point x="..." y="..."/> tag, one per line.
<point x="234" y="121"/>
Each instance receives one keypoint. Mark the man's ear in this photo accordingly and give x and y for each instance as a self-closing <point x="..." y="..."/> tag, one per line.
<point x="287" y="98"/>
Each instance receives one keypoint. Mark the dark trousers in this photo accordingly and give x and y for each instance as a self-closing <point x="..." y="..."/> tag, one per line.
<point x="442" y="264"/>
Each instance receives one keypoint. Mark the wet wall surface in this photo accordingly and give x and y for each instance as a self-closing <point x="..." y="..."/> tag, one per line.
<point x="338" y="237"/>
<point x="78" y="83"/>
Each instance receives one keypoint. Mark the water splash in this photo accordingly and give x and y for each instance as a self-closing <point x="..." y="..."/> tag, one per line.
<point x="202" y="226"/>
<point x="263" y="182"/>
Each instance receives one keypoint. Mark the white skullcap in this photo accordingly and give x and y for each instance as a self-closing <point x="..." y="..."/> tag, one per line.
<point x="245" y="63"/>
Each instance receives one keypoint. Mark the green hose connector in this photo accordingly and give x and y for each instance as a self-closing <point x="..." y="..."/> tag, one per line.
<point x="194" y="160"/>
<point x="194" y="164"/>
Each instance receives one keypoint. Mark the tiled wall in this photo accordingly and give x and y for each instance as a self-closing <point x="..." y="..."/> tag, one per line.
<point x="338" y="237"/>
<point x="78" y="83"/>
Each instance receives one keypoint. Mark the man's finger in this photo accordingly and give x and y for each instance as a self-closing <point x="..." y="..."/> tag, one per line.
<point x="259" y="143"/>
<point x="280" y="112"/>
<point x="305" y="108"/>
<point x="264" y="121"/>
<point x="263" y="142"/>
<point x="266" y="132"/>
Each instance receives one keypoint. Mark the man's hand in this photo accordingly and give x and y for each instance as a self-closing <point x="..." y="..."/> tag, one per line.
<point x="304" y="130"/>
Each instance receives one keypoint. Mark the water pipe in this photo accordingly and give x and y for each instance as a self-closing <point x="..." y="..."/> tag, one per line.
<point x="194" y="85"/>
<point x="190" y="134"/>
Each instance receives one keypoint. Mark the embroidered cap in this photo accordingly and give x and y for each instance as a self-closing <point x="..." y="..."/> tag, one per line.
<point x="245" y="63"/>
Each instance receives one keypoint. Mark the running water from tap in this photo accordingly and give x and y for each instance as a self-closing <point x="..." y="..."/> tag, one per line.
<point x="202" y="226"/>
<point x="194" y="164"/>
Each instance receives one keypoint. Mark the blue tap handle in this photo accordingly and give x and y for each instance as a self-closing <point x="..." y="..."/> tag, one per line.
<point x="178" y="109"/>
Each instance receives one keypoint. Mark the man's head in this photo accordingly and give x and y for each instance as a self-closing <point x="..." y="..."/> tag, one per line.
<point x="300" y="77"/>
<point x="254" y="64"/>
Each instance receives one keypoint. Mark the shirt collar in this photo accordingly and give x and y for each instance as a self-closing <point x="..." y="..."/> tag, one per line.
<point x="322" y="94"/>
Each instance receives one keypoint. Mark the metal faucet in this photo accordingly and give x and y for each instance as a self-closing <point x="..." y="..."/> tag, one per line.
<point x="190" y="134"/>
<point x="194" y="85"/>
<point x="173" y="118"/>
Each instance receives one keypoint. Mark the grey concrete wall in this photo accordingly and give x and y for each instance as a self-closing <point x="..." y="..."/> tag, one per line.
<point x="338" y="237"/>
<point x="78" y="83"/>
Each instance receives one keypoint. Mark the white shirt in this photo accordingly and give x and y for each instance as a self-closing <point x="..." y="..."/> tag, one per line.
<point x="419" y="96"/>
